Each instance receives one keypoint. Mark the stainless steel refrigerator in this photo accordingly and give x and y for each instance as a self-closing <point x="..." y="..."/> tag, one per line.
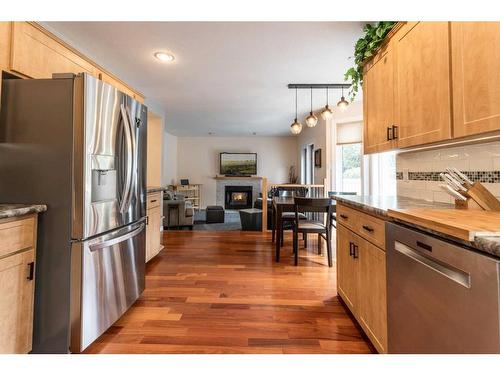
<point x="78" y="145"/>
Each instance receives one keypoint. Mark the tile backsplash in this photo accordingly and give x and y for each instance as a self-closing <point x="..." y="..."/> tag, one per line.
<point x="417" y="172"/>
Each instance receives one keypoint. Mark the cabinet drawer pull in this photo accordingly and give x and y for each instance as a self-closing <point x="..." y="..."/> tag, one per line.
<point x="395" y="132"/>
<point x="345" y="217"/>
<point x="153" y="200"/>
<point x="355" y="252"/>
<point x="31" y="270"/>
<point x="368" y="228"/>
<point x="351" y="250"/>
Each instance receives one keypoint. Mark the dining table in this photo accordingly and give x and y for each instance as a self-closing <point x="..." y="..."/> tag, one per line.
<point x="280" y="205"/>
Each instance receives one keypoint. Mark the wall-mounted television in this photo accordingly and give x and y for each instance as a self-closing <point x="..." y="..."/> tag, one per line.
<point x="238" y="164"/>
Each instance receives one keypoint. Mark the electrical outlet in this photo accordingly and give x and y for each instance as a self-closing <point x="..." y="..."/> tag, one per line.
<point x="406" y="174"/>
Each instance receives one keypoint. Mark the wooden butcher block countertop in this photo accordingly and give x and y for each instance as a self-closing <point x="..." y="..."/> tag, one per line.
<point x="463" y="224"/>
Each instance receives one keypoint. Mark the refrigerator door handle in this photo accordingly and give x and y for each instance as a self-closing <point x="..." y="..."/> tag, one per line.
<point x="128" y="183"/>
<point x="134" y="155"/>
<point x="116" y="240"/>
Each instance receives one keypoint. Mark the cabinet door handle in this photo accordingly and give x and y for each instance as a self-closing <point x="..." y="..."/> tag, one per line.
<point x="147" y="220"/>
<point x="368" y="228"/>
<point x="389" y="133"/>
<point x="345" y="217"/>
<point x="395" y="132"/>
<point x="31" y="270"/>
<point x="351" y="250"/>
<point x="355" y="253"/>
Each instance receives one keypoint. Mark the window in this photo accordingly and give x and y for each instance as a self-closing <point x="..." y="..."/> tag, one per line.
<point x="349" y="157"/>
<point x="350" y="166"/>
<point x="373" y="174"/>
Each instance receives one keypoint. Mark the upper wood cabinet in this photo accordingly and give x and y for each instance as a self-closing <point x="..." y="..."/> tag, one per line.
<point x="5" y="29"/>
<point x="36" y="55"/>
<point x="30" y="51"/>
<point x="423" y="94"/>
<point x="120" y="86"/>
<point x="476" y="73"/>
<point x="378" y="105"/>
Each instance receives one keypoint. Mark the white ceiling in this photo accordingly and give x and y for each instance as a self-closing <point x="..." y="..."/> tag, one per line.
<point x="228" y="78"/>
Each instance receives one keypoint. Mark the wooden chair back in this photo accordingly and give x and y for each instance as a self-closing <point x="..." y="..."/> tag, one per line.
<point x="314" y="205"/>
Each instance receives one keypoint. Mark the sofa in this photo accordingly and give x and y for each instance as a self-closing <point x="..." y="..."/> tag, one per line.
<point x="178" y="212"/>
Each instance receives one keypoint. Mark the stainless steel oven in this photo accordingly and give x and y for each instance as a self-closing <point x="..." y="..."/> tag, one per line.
<point x="442" y="297"/>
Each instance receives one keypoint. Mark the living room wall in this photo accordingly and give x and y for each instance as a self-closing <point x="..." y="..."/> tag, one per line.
<point x="198" y="159"/>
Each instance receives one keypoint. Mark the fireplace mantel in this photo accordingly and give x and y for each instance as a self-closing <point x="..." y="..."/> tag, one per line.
<point x="218" y="177"/>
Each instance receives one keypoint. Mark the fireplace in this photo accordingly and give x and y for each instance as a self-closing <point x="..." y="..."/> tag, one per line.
<point x="238" y="197"/>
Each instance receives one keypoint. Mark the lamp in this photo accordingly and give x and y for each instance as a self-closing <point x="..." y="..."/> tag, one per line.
<point x="311" y="120"/>
<point x="342" y="104"/>
<point x="326" y="113"/>
<point x="296" y="126"/>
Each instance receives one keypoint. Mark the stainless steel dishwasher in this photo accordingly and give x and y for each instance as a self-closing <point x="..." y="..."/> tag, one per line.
<point x="442" y="297"/>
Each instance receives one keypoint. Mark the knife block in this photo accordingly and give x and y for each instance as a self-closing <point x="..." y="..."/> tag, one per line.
<point x="478" y="197"/>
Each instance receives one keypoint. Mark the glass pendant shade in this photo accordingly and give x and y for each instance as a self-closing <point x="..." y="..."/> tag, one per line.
<point x="342" y="104"/>
<point x="326" y="113"/>
<point x="311" y="120"/>
<point x="296" y="127"/>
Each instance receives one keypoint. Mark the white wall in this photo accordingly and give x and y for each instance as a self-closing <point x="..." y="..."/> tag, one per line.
<point x="318" y="137"/>
<point x="169" y="165"/>
<point x="198" y="159"/>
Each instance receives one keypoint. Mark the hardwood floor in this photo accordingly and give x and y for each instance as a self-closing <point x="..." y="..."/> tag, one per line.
<point x="222" y="292"/>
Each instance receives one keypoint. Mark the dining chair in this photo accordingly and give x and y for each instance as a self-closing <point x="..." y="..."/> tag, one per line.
<point x="322" y="229"/>
<point x="334" y="209"/>
<point x="287" y="218"/>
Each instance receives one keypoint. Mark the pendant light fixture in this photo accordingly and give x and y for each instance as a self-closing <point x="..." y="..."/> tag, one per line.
<point x="296" y="126"/>
<point x="311" y="120"/>
<point x="342" y="104"/>
<point x="326" y="113"/>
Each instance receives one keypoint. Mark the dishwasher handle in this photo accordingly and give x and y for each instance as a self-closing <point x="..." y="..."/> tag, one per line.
<point x="456" y="275"/>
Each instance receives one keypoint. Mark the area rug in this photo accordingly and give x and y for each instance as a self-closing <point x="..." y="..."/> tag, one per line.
<point x="231" y="221"/>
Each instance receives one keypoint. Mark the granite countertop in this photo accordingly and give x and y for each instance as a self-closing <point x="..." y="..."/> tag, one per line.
<point x="155" y="189"/>
<point x="14" y="210"/>
<point x="379" y="205"/>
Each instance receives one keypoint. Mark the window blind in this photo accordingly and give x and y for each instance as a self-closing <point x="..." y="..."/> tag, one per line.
<point x="349" y="132"/>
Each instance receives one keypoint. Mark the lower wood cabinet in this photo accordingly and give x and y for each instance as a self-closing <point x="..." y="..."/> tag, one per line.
<point x="153" y="227"/>
<point x="17" y="283"/>
<point x="361" y="282"/>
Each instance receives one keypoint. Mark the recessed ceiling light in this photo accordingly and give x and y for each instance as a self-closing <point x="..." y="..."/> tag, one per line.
<point x="164" y="56"/>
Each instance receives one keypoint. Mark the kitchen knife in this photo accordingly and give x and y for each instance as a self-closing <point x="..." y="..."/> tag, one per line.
<point x="462" y="176"/>
<point x="452" y="173"/>
<point x="453" y="193"/>
<point x="453" y="182"/>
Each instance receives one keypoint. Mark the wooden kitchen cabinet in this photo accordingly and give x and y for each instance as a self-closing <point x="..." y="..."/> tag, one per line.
<point x="347" y="280"/>
<point x="120" y="86"/>
<point x="476" y="72"/>
<point x="17" y="267"/>
<point x="373" y="293"/>
<point x="37" y="55"/>
<point x="361" y="273"/>
<point x="154" y="223"/>
<point x="423" y="90"/>
<point x="5" y="28"/>
<point x="28" y="50"/>
<point x="378" y="104"/>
